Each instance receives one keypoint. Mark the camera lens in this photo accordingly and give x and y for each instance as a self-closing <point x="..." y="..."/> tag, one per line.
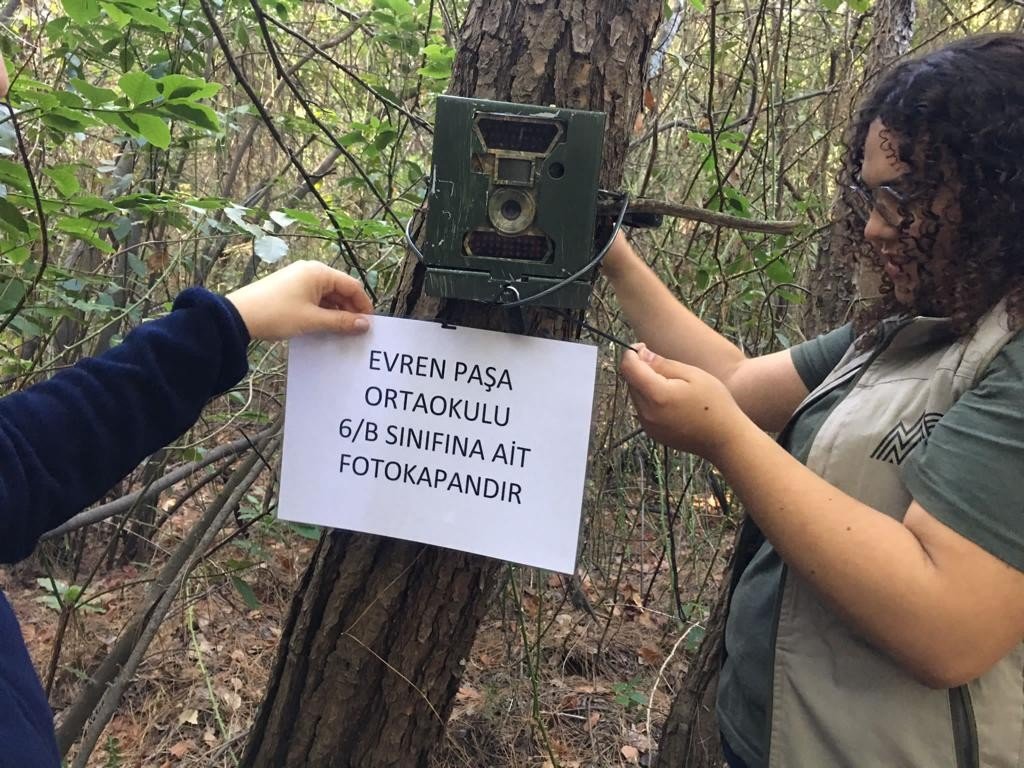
<point x="511" y="209"/>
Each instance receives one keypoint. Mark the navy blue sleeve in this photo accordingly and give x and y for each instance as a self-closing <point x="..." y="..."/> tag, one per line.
<point x="66" y="441"/>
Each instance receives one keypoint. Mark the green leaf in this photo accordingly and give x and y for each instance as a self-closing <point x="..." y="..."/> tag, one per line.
<point x="136" y="265"/>
<point x="190" y="88"/>
<point x="144" y="18"/>
<point x="385" y="137"/>
<point x="139" y="87"/>
<point x="82" y="11"/>
<point x="69" y="100"/>
<point x="96" y="96"/>
<point x="351" y="138"/>
<point x="694" y="638"/>
<point x="153" y="128"/>
<point x="304" y="217"/>
<point x="118" y="120"/>
<point x="247" y="594"/>
<point x="208" y="203"/>
<point x="66" y="120"/>
<point x="15" y="175"/>
<point x="91" y="204"/>
<point x="196" y="114"/>
<point x="439" y="59"/>
<point x="11" y="292"/>
<point x="17" y="255"/>
<point x="11" y="218"/>
<point x="50" y="601"/>
<point x="145" y="201"/>
<point x="242" y="33"/>
<point x="85" y="230"/>
<point x="63" y="177"/>
<point x="143" y="4"/>
<point x="119" y="17"/>
<point x="778" y="271"/>
<point x="28" y="329"/>
<point x="398" y="7"/>
<point x="310" y="532"/>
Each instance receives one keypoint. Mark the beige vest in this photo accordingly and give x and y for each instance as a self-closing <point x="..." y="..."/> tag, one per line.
<point x="836" y="701"/>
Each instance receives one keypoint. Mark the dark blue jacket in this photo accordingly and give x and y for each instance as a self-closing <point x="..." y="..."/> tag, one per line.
<point x="66" y="441"/>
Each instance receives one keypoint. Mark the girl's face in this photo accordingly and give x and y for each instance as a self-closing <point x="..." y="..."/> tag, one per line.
<point x="893" y="219"/>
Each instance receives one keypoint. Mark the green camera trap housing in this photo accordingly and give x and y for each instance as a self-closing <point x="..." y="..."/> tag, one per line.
<point x="512" y="201"/>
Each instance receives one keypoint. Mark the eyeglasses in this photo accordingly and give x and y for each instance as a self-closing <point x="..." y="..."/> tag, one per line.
<point x="892" y="204"/>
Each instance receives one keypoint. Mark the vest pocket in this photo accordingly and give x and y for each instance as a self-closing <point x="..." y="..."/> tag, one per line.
<point x="965" y="729"/>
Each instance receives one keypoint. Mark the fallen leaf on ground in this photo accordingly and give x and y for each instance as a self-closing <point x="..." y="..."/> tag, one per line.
<point x="182" y="748"/>
<point x="190" y="716"/>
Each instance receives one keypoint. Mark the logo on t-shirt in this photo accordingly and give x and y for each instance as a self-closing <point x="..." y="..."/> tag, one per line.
<point x="902" y="440"/>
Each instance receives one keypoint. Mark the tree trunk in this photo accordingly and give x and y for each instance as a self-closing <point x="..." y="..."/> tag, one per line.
<point x="690" y="735"/>
<point x="371" y="655"/>
<point x="834" y="285"/>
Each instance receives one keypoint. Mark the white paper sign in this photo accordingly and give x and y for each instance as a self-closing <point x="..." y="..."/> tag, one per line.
<point x="467" y="439"/>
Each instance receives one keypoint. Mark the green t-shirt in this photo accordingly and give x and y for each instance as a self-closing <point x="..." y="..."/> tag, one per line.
<point x="980" y="436"/>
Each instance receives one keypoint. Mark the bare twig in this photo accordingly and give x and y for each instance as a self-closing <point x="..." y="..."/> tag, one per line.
<point x="414" y="119"/>
<point x="111" y="508"/>
<point x="43" y="232"/>
<point x="102" y="693"/>
<point x="261" y="19"/>
<point x="350" y="255"/>
<point x="715" y="218"/>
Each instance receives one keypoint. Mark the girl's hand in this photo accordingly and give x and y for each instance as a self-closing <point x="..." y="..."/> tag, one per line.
<point x="682" y="406"/>
<point x="304" y="297"/>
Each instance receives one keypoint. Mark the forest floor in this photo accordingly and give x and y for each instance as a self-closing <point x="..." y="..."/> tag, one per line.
<point x="592" y="690"/>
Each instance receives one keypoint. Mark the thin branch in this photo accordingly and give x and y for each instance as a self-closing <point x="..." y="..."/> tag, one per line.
<point x="415" y="119"/>
<point x="261" y="18"/>
<point x="350" y="255"/>
<point x="714" y="218"/>
<point x="104" y="511"/>
<point x="98" y="702"/>
<point x="44" y="233"/>
<point x="691" y="127"/>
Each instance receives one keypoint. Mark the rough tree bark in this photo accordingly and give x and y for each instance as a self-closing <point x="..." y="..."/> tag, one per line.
<point x="371" y="653"/>
<point x="834" y="285"/>
<point x="689" y="738"/>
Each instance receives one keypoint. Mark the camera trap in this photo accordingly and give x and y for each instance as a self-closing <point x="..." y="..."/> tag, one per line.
<point x="512" y="202"/>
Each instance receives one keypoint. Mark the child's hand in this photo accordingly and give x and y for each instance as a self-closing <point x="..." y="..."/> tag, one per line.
<point x="3" y="78"/>
<point x="303" y="297"/>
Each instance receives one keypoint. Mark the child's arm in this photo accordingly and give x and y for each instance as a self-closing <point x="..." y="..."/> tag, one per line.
<point x="64" y="442"/>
